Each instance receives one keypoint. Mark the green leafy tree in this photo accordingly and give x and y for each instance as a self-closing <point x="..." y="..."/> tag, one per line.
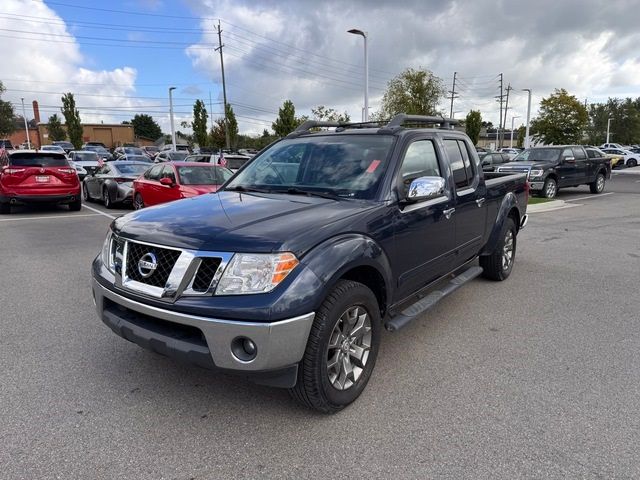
<point x="72" y="120"/>
<point x="199" y="124"/>
<point x="232" y="124"/>
<point x="217" y="135"/>
<point x="145" y="126"/>
<point x="473" y="125"/>
<point x="326" y="114"/>
<point x="55" y="129"/>
<point x="286" y="121"/>
<point x="562" y="119"/>
<point x="7" y="126"/>
<point x="414" y="91"/>
<point x="521" y="136"/>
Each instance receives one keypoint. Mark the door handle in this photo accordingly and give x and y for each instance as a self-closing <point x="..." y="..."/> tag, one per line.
<point x="480" y="202"/>
<point x="448" y="213"/>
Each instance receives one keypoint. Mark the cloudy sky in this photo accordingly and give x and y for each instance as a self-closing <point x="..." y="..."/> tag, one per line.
<point x="120" y="57"/>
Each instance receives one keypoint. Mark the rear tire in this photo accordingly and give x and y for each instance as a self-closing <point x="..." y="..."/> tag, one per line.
<point x="342" y="349"/>
<point x="499" y="264"/>
<point x="597" y="186"/>
<point x="5" y="208"/>
<point x="76" y="205"/>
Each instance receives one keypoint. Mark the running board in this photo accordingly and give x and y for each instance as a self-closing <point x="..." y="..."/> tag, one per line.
<point x="421" y="306"/>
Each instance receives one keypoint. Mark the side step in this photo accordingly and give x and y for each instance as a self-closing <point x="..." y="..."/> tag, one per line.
<point x="421" y="306"/>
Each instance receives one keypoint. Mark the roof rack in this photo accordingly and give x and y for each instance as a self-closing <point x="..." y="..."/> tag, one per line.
<point x="309" y="124"/>
<point x="402" y="118"/>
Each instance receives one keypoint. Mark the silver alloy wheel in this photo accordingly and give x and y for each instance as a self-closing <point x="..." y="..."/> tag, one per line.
<point x="349" y="346"/>
<point x="105" y="198"/>
<point x="138" y="203"/>
<point x="600" y="183"/>
<point x="507" y="251"/>
<point x="550" y="190"/>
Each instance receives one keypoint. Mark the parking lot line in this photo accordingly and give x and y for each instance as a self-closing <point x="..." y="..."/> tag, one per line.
<point x="99" y="211"/>
<point x="50" y="216"/>
<point x="589" y="197"/>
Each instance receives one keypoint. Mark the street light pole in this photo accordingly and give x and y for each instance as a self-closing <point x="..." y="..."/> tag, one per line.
<point x="512" y="119"/>
<point x="365" y="114"/>
<point x="608" y="126"/>
<point x="173" y="130"/>
<point x="526" y="133"/>
<point x="26" y="128"/>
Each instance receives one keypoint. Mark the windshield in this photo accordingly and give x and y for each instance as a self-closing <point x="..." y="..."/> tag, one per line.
<point x="132" y="169"/>
<point x="35" y="160"/>
<point x="198" y="175"/>
<point x="139" y="158"/>
<point x="86" y="156"/>
<point x="177" y="156"/>
<point x="348" y="166"/>
<point x="52" y="148"/>
<point x="133" y="151"/>
<point x="539" y="155"/>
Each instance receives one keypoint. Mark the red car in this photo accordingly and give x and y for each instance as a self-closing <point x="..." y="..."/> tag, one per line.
<point x="170" y="181"/>
<point x="38" y="177"/>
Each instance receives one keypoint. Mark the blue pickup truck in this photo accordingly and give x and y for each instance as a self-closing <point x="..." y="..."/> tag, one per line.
<point x="289" y="273"/>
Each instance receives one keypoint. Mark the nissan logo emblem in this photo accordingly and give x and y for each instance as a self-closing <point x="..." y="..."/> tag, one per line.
<point x="147" y="265"/>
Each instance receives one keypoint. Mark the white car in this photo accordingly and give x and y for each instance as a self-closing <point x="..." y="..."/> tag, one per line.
<point x="630" y="159"/>
<point x="612" y="145"/>
<point x="79" y="170"/>
<point x="511" y="152"/>
<point x="53" y="148"/>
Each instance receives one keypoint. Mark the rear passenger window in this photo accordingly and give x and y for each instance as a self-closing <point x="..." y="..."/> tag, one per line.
<point x="461" y="165"/>
<point x="419" y="161"/>
<point x="591" y="154"/>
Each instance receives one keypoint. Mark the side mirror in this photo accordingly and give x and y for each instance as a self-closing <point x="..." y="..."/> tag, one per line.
<point x="425" y="188"/>
<point x="166" y="181"/>
<point x="570" y="159"/>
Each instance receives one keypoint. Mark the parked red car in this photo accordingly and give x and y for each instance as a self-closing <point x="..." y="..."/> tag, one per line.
<point x="38" y="177"/>
<point x="170" y="181"/>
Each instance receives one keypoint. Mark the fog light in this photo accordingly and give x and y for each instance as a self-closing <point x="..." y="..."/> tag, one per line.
<point x="244" y="349"/>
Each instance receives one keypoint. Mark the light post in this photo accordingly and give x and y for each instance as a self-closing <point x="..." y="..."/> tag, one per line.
<point x="608" y="127"/>
<point x="365" y="113"/>
<point x="526" y="133"/>
<point x="512" y="119"/>
<point x="26" y="128"/>
<point x="173" y="130"/>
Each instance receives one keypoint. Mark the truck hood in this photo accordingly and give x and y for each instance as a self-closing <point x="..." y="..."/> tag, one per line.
<point x="243" y="222"/>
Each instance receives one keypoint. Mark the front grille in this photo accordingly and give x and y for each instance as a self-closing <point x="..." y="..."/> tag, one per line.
<point x="165" y="259"/>
<point x="205" y="274"/>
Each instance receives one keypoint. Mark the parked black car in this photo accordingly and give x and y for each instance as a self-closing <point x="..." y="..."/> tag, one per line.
<point x="552" y="167"/>
<point x="492" y="160"/>
<point x="67" y="146"/>
<point x="289" y="273"/>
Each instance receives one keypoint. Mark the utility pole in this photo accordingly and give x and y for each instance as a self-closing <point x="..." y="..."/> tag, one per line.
<point x="506" y="108"/>
<point x="26" y="128"/>
<point x="224" y="88"/>
<point x="500" y="100"/>
<point x="210" y="110"/>
<point x="527" y="143"/>
<point x="453" y="93"/>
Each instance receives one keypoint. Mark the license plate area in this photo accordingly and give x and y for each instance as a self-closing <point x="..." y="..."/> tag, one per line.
<point x="42" y="178"/>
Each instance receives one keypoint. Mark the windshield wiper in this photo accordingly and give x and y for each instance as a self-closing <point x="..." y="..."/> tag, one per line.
<point x="311" y="193"/>
<point x="241" y="188"/>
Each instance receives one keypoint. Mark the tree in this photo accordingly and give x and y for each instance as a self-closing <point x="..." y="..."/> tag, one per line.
<point x="199" y="124"/>
<point x="72" y="120"/>
<point x="326" y="114"/>
<point x="232" y="123"/>
<point x="145" y="126"/>
<point x="473" y="125"/>
<point x="6" y="115"/>
<point x="55" y="129"/>
<point x="415" y="92"/>
<point x="286" y="121"/>
<point x="562" y="119"/>
<point x="217" y="135"/>
<point x="522" y="131"/>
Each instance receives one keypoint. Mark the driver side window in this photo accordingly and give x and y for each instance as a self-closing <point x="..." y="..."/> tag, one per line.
<point x="420" y="160"/>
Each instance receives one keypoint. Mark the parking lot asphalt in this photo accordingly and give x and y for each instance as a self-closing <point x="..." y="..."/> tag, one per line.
<point x="535" y="377"/>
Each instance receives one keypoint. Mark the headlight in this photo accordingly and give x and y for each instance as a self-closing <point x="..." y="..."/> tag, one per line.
<point x="112" y="253"/>
<point x="107" y="256"/>
<point x="535" y="173"/>
<point x="255" y="273"/>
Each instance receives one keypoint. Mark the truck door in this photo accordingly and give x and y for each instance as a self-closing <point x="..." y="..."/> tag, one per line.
<point x="470" y="195"/>
<point x="424" y="232"/>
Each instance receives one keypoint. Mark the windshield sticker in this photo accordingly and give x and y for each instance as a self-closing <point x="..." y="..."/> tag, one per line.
<point x="373" y="166"/>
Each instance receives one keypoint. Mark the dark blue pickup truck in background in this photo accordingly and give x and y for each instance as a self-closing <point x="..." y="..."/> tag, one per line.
<point x="288" y="274"/>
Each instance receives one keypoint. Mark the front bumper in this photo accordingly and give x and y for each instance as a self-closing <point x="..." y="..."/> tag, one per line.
<point x="206" y="341"/>
<point x="537" y="184"/>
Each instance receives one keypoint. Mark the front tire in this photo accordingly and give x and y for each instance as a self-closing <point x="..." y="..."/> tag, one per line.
<point x="342" y="349"/>
<point x="138" y="202"/>
<point x="632" y="163"/>
<point x="550" y="188"/>
<point x="499" y="264"/>
<point x="597" y="186"/>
